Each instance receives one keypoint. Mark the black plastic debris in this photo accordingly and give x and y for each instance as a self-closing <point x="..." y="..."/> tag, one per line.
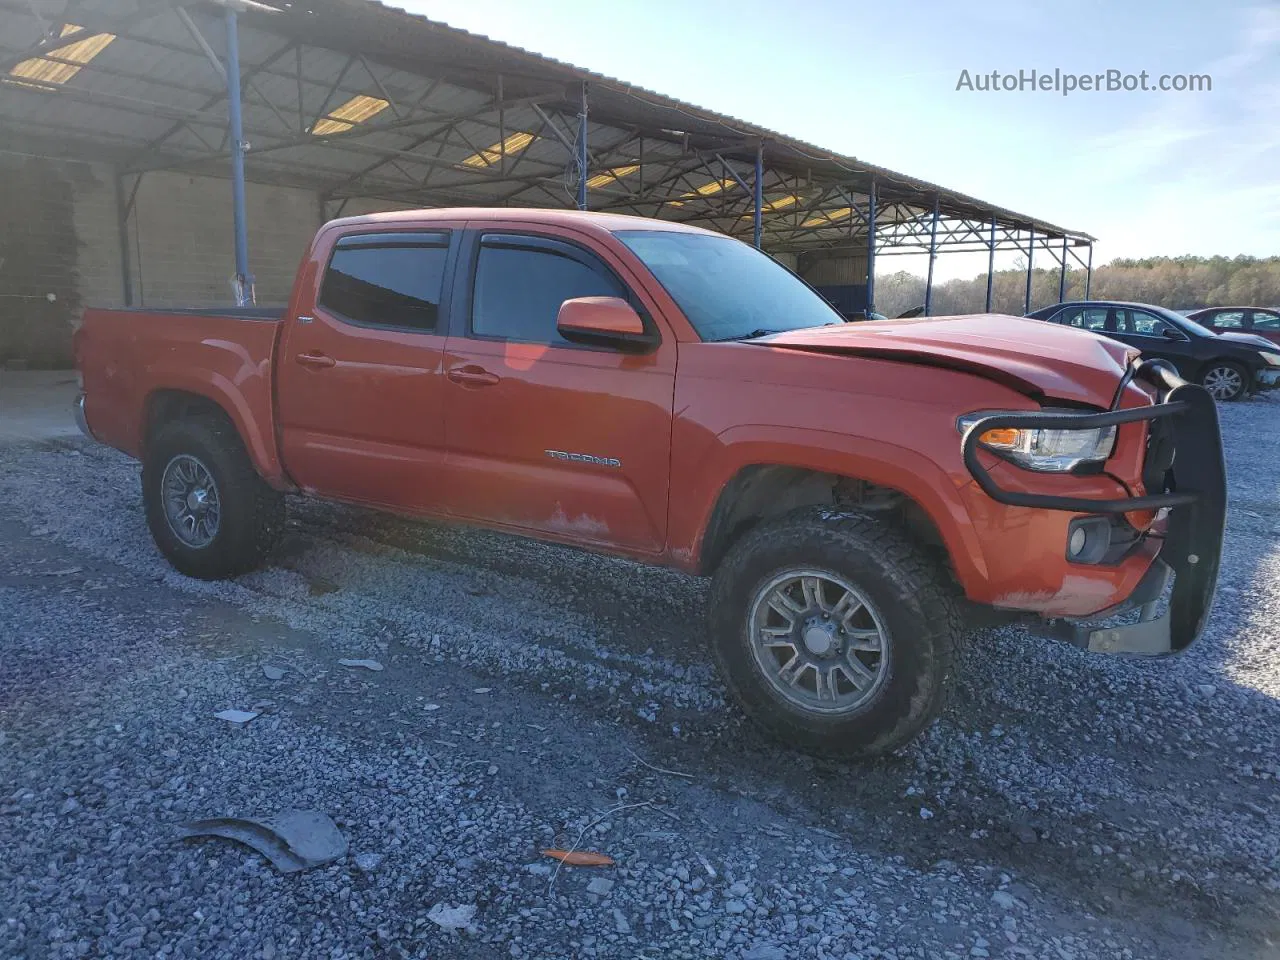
<point x="293" y="840"/>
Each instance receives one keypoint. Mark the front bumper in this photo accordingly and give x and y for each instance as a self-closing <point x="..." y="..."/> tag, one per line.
<point x="1267" y="378"/>
<point x="1193" y="490"/>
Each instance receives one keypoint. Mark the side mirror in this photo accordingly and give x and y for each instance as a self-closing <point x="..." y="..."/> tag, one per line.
<point x="1171" y="334"/>
<point x="604" y="322"/>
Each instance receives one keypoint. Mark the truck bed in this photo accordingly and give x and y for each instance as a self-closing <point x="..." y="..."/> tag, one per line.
<point x="133" y="358"/>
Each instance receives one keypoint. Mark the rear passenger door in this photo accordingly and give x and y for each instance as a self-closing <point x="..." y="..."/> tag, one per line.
<point x="360" y="377"/>
<point x="547" y="436"/>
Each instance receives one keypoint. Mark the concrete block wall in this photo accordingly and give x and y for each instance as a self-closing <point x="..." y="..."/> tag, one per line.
<point x="60" y="247"/>
<point x="40" y="258"/>
<point x="182" y="242"/>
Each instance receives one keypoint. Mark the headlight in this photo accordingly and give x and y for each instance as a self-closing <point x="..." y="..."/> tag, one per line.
<point x="1271" y="358"/>
<point x="1046" y="450"/>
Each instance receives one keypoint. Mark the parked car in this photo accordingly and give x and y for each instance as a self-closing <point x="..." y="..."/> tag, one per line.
<point x="1229" y="365"/>
<point x="676" y="397"/>
<point x="1257" y="320"/>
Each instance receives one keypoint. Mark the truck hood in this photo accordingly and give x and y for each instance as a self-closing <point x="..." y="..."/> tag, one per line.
<point x="1043" y="360"/>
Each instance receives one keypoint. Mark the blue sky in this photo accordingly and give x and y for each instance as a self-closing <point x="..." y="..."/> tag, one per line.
<point x="1148" y="173"/>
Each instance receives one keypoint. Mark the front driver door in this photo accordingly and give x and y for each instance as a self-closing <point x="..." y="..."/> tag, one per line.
<point x="1157" y="337"/>
<point x="546" y="436"/>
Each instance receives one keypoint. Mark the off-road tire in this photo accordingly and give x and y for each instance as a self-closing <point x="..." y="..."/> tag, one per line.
<point x="914" y="598"/>
<point x="252" y="514"/>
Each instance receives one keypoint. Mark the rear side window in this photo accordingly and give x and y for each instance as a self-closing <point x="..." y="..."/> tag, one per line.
<point x="1089" y="318"/>
<point x="519" y="290"/>
<point x="387" y="280"/>
<point x="1228" y="319"/>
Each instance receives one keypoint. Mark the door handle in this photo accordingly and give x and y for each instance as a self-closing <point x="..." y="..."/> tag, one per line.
<point x="473" y="376"/>
<point x="315" y="361"/>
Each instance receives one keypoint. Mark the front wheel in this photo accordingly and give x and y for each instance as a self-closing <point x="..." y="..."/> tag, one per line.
<point x="209" y="512"/>
<point x="1225" y="380"/>
<point x="834" y="632"/>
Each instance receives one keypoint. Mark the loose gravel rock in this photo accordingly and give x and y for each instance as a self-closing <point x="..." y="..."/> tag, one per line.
<point x="1080" y="806"/>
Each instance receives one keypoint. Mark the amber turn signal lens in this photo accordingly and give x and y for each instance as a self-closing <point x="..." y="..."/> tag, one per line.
<point x="999" y="438"/>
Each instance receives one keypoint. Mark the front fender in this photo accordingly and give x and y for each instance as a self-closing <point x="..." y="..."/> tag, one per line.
<point x="875" y="461"/>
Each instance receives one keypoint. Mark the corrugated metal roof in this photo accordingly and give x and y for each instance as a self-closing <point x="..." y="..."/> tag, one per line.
<point x="152" y="100"/>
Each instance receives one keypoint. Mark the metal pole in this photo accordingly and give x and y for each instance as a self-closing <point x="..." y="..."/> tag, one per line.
<point x="1031" y="250"/>
<point x="871" y="249"/>
<point x="991" y="263"/>
<point x="244" y="280"/>
<point x="1062" y="277"/>
<point x="933" y="255"/>
<point x="1088" y="273"/>
<point x="582" y="152"/>
<point x="757" y="196"/>
<point x="122" y="227"/>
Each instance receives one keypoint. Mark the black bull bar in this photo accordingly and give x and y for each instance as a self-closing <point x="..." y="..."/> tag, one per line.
<point x="1194" y="491"/>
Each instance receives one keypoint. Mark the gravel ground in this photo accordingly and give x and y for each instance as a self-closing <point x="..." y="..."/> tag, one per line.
<point x="1065" y="806"/>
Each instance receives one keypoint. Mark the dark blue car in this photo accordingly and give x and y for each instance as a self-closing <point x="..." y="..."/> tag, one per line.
<point x="1229" y="365"/>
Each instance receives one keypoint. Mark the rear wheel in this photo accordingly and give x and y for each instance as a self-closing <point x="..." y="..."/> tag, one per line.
<point x="1225" y="380"/>
<point x="834" y="632"/>
<point x="209" y="512"/>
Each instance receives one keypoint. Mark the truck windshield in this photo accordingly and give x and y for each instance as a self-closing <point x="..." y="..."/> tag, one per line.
<point x="728" y="290"/>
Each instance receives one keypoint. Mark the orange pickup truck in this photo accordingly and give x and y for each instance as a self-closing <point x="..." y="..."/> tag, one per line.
<point x="674" y="396"/>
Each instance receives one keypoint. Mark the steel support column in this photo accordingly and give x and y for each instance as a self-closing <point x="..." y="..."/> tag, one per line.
<point x="757" y="197"/>
<point x="582" y="152"/>
<point x="1088" y="273"/>
<point x="991" y="264"/>
<point x="1031" y="251"/>
<point x="933" y="256"/>
<point x="122" y="232"/>
<point x="1062" y="276"/>
<point x="871" y="248"/>
<point x="243" y="279"/>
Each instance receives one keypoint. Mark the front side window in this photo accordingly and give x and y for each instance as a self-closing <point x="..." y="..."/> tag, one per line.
<point x="1266" y="320"/>
<point x="387" y="280"/>
<point x="519" y="290"/>
<point x="728" y="290"/>
<point x="1142" y="324"/>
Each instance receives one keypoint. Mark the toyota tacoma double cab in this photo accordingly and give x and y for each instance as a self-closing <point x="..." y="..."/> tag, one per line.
<point x="673" y="396"/>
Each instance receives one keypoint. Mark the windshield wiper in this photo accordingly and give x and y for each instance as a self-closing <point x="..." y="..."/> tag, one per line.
<point x="761" y="332"/>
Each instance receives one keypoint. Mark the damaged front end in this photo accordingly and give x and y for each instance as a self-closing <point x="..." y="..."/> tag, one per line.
<point x="1185" y="477"/>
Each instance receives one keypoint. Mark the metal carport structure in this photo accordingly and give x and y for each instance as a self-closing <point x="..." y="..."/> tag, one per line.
<point x="354" y="99"/>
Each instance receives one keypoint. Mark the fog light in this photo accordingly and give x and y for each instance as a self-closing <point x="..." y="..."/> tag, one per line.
<point x="1078" y="539"/>
<point x="1088" y="539"/>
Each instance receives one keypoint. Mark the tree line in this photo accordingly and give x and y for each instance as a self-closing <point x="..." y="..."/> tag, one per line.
<point x="1180" y="283"/>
